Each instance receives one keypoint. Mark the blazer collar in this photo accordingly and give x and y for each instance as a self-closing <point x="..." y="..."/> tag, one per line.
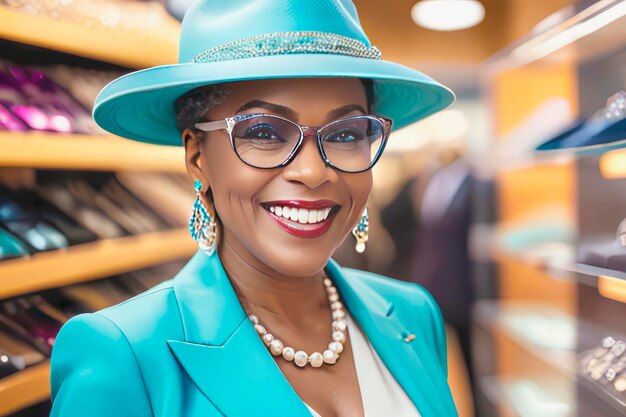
<point x="244" y="379"/>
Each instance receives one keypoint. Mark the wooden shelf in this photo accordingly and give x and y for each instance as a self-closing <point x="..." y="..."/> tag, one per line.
<point x="100" y="153"/>
<point x="92" y="260"/>
<point x="151" y="39"/>
<point x="25" y="388"/>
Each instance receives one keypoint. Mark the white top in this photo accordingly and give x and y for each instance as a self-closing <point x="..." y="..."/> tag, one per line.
<point x="382" y="395"/>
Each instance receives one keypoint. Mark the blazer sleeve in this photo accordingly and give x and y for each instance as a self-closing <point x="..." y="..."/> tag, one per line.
<point x="94" y="371"/>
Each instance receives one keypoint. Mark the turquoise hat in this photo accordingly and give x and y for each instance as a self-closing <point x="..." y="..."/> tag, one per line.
<point x="236" y="40"/>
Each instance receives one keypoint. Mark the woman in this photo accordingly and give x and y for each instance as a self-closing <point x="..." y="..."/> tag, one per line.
<point x="283" y="107"/>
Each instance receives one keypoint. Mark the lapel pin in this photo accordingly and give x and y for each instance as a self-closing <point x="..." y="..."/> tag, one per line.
<point x="409" y="338"/>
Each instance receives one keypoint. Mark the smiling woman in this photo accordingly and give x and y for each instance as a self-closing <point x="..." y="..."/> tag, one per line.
<point x="281" y="129"/>
<point x="304" y="180"/>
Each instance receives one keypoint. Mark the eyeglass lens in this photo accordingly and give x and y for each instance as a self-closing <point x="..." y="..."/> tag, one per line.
<point x="350" y="144"/>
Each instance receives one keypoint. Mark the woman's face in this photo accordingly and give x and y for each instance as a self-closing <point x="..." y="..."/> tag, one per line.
<point x="246" y="199"/>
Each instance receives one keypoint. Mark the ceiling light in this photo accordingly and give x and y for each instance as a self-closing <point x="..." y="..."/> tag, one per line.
<point x="447" y="14"/>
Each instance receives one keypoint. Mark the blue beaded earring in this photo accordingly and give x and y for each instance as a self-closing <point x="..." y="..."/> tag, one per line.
<point x="202" y="227"/>
<point x="361" y="231"/>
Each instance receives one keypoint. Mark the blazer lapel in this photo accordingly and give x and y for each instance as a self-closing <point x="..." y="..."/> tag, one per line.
<point x="230" y="364"/>
<point x="222" y="352"/>
<point x="413" y="365"/>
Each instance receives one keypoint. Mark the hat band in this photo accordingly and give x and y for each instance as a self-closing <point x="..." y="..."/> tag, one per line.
<point x="284" y="43"/>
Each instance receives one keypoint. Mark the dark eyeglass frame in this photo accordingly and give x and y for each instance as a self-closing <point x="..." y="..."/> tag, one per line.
<point x="228" y="124"/>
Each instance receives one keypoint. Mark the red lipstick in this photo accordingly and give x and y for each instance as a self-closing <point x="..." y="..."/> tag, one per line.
<point x="305" y="204"/>
<point x="295" y="228"/>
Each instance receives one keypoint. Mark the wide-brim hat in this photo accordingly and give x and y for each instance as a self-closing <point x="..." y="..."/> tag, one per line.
<point x="238" y="40"/>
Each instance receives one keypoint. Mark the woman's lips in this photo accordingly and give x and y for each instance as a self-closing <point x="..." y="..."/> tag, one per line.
<point x="300" y="218"/>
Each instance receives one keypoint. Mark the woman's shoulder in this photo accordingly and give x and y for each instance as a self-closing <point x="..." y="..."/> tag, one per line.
<point x="147" y="315"/>
<point x="149" y="302"/>
<point x="94" y="352"/>
<point x="141" y="310"/>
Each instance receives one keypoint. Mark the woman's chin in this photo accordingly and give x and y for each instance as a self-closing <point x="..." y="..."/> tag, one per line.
<point x="279" y="252"/>
<point x="296" y="261"/>
<point x="288" y="258"/>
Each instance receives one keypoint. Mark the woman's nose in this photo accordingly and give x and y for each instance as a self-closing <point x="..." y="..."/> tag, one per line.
<point x="308" y="167"/>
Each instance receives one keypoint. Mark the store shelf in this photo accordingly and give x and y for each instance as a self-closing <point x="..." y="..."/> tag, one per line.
<point x="605" y="398"/>
<point x="523" y="397"/>
<point x="610" y="284"/>
<point x="548" y="255"/>
<point x="25" y="388"/>
<point x="593" y="271"/>
<point x="558" y="350"/>
<point x="92" y="260"/>
<point x="555" y="345"/>
<point x="555" y="260"/>
<point x="491" y="387"/>
<point x="136" y="35"/>
<point x="101" y="153"/>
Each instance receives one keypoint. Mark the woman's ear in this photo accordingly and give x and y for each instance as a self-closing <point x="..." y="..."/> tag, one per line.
<point x="193" y="162"/>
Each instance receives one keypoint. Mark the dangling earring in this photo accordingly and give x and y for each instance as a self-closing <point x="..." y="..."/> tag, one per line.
<point x="202" y="227"/>
<point x="361" y="231"/>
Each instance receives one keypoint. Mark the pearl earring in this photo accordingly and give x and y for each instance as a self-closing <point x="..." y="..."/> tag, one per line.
<point x="202" y="227"/>
<point x="361" y="231"/>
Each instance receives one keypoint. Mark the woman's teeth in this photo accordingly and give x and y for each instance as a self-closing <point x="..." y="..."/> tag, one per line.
<point x="301" y="215"/>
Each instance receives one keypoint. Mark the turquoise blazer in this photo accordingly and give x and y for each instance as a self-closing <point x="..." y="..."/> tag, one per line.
<point x="185" y="348"/>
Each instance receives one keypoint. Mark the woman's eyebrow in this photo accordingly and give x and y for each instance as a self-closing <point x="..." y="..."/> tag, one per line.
<point x="343" y="110"/>
<point x="275" y="108"/>
<point x="291" y="114"/>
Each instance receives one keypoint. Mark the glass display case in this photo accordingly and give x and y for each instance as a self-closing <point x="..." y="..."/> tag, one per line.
<point x="550" y="342"/>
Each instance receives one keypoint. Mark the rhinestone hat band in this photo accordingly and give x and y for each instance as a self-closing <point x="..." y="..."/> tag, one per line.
<point x="283" y="43"/>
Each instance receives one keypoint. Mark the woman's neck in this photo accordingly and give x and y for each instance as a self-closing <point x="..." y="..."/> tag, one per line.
<point x="265" y="292"/>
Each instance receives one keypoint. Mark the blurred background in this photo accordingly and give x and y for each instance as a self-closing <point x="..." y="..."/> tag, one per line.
<point x="509" y="207"/>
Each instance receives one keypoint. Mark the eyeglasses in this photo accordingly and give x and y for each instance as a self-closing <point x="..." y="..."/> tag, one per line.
<point x="352" y="144"/>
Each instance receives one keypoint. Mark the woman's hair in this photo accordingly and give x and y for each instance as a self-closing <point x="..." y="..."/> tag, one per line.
<point x="191" y="107"/>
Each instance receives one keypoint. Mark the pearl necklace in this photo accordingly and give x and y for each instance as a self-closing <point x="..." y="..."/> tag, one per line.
<point x="316" y="359"/>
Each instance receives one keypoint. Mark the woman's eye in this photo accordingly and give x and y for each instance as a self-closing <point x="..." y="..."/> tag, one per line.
<point x="345" y="136"/>
<point x="262" y="132"/>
